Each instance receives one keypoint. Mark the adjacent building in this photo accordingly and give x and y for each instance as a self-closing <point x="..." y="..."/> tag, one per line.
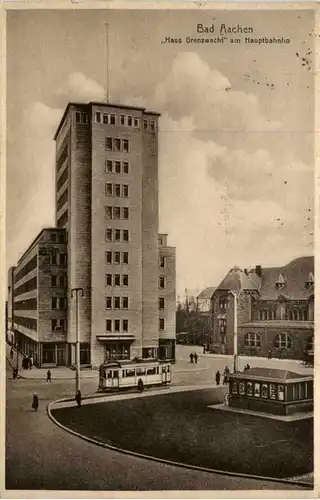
<point x="107" y="211"/>
<point x="269" y="310"/>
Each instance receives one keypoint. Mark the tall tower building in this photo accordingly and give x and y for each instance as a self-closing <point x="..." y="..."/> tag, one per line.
<point x="107" y="200"/>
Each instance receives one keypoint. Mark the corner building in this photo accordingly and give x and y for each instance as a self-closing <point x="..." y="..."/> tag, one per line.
<point x="107" y="201"/>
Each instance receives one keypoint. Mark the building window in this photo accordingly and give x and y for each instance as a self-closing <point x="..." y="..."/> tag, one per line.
<point x="162" y="262"/>
<point x="117" y="302"/>
<point x="125" y="144"/>
<point x="223" y="303"/>
<point x="116" y="212"/>
<point x="108" y="212"/>
<point x="145" y="124"/>
<point x="122" y="120"/>
<point x="108" y="279"/>
<point x="63" y="260"/>
<point x="117" y="258"/>
<point x="117" y="144"/>
<point x="117" y="325"/>
<point x="125" y="167"/>
<point x="136" y="121"/>
<point x="112" y="119"/>
<point x="125" y="257"/>
<point x="117" y="190"/>
<point x="283" y="341"/>
<point x="117" y="235"/>
<point x="161" y="303"/>
<point x="125" y="212"/>
<point x="78" y="117"/>
<point x="54" y="280"/>
<point x="125" y="191"/>
<point x="125" y="235"/>
<point x="109" y="303"/>
<point x="85" y="119"/>
<point x="117" y="280"/>
<point x="161" y="282"/>
<point x="58" y="325"/>
<point x="108" y="234"/>
<point x="161" y="324"/>
<point x="222" y="326"/>
<point x="105" y="118"/>
<point x="152" y="125"/>
<point x="124" y="325"/>
<point x="108" y="143"/>
<point x="98" y="117"/>
<point x="125" y="280"/>
<point x="252" y="340"/>
<point x="125" y="302"/>
<point x="109" y="325"/>
<point x="129" y="121"/>
<point x="109" y="167"/>
<point x="108" y="189"/>
<point x="117" y="167"/>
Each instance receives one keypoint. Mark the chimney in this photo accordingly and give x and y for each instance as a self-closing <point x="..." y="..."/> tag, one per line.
<point x="259" y="271"/>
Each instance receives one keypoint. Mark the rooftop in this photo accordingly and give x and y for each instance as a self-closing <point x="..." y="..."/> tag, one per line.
<point x="206" y="293"/>
<point x="262" y="373"/>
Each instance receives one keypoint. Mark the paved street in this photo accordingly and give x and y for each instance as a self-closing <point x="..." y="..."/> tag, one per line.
<point x="40" y="455"/>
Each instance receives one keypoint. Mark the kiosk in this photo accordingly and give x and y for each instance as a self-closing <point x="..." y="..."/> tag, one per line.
<point x="280" y="392"/>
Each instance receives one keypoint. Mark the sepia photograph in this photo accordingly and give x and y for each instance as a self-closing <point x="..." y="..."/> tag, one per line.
<point x="159" y="268"/>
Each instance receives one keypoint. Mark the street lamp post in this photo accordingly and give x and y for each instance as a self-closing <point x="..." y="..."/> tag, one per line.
<point x="235" y="331"/>
<point x="77" y="292"/>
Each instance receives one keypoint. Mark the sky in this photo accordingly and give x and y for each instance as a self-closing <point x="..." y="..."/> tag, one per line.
<point x="236" y="152"/>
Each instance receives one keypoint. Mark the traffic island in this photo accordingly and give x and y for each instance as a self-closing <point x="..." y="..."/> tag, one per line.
<point x="180" y="427"/>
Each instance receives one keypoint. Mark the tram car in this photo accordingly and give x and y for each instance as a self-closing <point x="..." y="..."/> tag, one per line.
<point x="114" y="375"/>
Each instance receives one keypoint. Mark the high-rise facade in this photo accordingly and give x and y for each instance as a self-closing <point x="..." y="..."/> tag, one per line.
<point x="107" y="200"/>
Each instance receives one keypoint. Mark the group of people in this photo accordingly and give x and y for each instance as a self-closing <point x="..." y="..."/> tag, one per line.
<point x="193" y="357"/>
<point x="247" y="367"/>
<point x="27" y="362"/>
<point x="225" y="376"/>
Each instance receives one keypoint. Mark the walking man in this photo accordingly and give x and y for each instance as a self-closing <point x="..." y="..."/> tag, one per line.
<point x="30" y="362"/>
<point x="35" y="402"/>
<point x="226" y="375"/>
<point x="78" y="398"/>
<point x="195" y="358"/>
<point x="218" y="376"/>
<point x="191" y="358"/>
<point x="49" y="376"/>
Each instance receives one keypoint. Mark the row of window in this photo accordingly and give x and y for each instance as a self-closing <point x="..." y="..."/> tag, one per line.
<point x="117" y="235"/>
<point x="62" y="200"/>
<point x="63" y="220"/>
<point x="30" y="323"/>
<point x="293" y="315"/>
<point x="62" y="179"/>
<point x="117" y="144"/>
<point x="280" y="341"/>
<point x="32" y="264"/>
<point x="124" y="120"/>
<point x="116" y="257"/>
<point x="117" y="280"/>
<point x="59" y="325"/>
<point x="59" y="259"/>
<point x="117" y="325"/>
<point x="270" y="391"/>
<point x="60" y="303"/>
<point x="123" y="303"/>
<point x="58" y="237"/>
<point x="59" y="280"/>
<point x="28" y="304"/>
<point x="117" y="167"/>
<point x="62" y="158"/>
<point x="117" y="190"/>
<point x="28" y="286"/>
<point x="116" y="213"/>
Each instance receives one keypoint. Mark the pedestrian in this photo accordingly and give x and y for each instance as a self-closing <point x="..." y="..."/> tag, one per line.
<point x="14" y="373"/>
<point x="11" y="352"/>
<point x="49" y="376"/>
<point x="195" y="358"/>
<point x="191" y="358"/>
<point x="204" y="349"/>
<point x="218" y="378"/>
<point x="30" y="362"/>
<point x="78" y="398"/>
<point x="35" y="402"/>
<point x="140" y="385"/>
<point x="269" y="354"/>
<point x="226" y="375"/>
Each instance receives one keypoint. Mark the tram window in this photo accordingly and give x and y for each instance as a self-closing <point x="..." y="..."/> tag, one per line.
<point x="168" y="369"/>
<point x="130" y="372"/>
<point x="109" y="374"/>
<point x="123" y="373"/>
<point x="151" y="371"/>
<point x="141" y="371"/>
<point x="116" y="374"/>
<point x="158" y="370"/>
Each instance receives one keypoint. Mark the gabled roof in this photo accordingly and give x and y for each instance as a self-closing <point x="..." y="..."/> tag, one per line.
<point x="237" y="280"/>
<point x="206" y="293"/>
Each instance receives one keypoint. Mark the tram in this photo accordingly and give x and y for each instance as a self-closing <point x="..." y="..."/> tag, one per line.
<point x="114" y="375"/>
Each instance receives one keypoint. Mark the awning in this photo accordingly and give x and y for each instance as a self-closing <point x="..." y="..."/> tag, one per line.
<point x="109" y="338"/>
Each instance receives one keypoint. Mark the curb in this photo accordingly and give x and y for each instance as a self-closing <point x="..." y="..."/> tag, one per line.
<point x="303" y="484"/>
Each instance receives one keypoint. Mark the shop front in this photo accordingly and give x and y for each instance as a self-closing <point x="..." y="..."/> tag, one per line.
<point x="280" y="392"/>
